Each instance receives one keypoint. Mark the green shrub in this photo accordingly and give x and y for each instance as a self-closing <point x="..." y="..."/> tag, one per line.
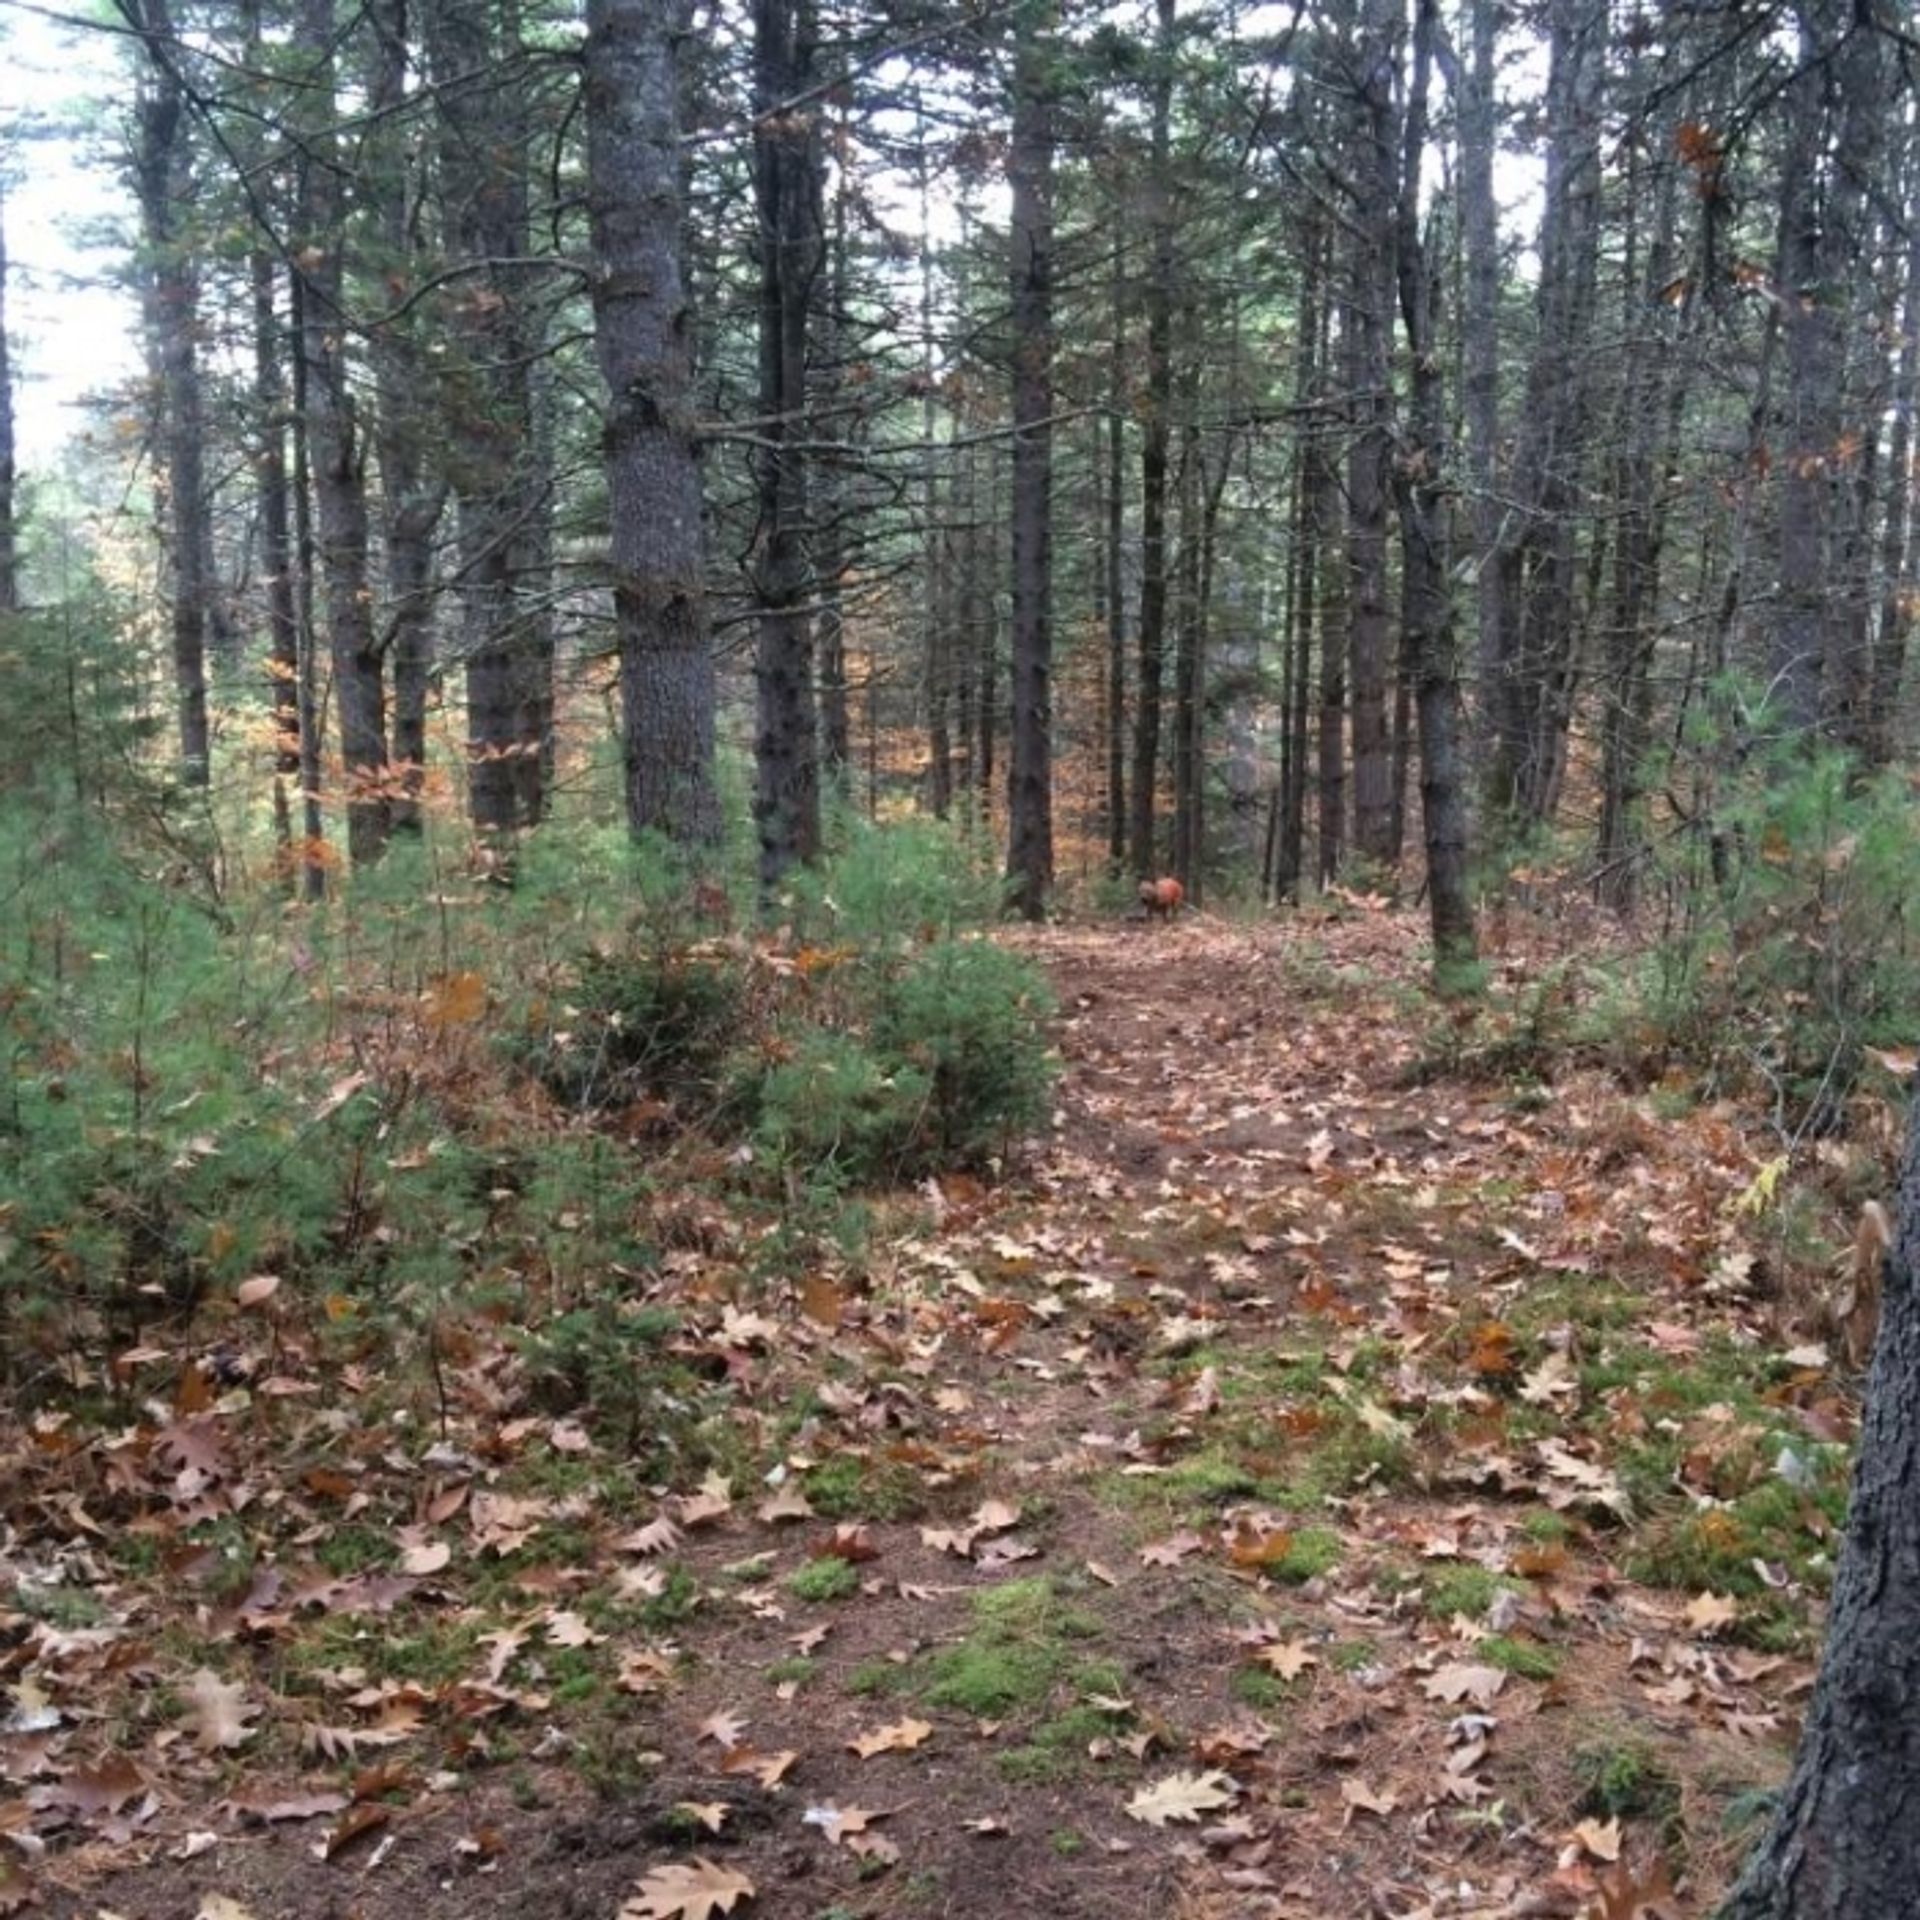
<point x="1791" y="947"/>
<point x="970" y="1017"/>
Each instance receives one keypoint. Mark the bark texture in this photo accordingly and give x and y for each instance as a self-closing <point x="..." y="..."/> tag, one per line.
<point x="170" y="298"/>
<point x="1030" y="759"/>
<point x="1844" y="1843"/>
<point x="9" y="545"/>
<point x="786" y="175"/>
<point x="643" y="332"/>
<point x="335" y="449"/>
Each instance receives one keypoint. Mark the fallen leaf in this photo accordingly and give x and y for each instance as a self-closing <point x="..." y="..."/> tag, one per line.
<point x="1601" y="1839"/>
<point x="1463" y="1682"/>
<point x="1170" y="1552"/>
<point x="1361" y="1798"/>
<point x="902" y="1737"/>
<point x="1707" y="1613"/>
<point x="219" y="1712"/>
<point x="1288" y="1658"/>
<point x="1182" y="1796"/>
<point x="687" y="1892"/>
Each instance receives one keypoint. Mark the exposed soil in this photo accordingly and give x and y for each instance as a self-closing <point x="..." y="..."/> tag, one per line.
<point x="1277" y="1342"/>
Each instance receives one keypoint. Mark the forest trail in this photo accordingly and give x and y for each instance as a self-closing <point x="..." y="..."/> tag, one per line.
<point x="1281" y="1498"/>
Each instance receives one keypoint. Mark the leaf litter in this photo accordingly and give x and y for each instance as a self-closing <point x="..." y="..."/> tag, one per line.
<point x="1276" y="1492"/>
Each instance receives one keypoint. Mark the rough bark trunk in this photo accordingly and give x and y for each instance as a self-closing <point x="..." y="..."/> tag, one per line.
<point x="786" y="172"/>
<point x="488" y="399"/>
<point x="334" y="447"/>
<point x="9" y="540"/>
<point x="1651" y="394"/>
<point x="1367" y="331"/>
<point x="276" y="541"/>
<point x="1480" y="355"/>
<point x="1155" y="441"/>
<point x="1537" y="558"/>
<point x="170" y="296"/>
<point x="1844" y="1844"/>
<point x="308" y="704"/>
<point x="644" y="337"/>
<point x="1030" y="243"/>
<point x="832" y="506"/>
<point x="1897" y="583"/>
<point x="1423" y="520"/>
<point x="412" y="492"/>
<point x="1116" y="573"/>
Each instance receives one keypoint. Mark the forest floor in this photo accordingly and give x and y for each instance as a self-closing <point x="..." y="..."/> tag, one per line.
<point x="1312" y="1486"/>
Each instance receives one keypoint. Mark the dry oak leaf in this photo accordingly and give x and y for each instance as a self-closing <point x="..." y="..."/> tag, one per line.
<point x="711" y="1814"/>
<point x="1464" y="1682"/>
<point x="219" y="1712"/>
<point x="902" y="1737"/>
<point x="1170" y="1552"/>
<point x="1361" y="1798"/>
<point x="1183" y="1796"/>
<point x="687" y="1892"/>
<point x="835" y="1822"/>
<point x="216" y="1906"/>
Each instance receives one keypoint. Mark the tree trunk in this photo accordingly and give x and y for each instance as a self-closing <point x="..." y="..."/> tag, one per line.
<point x="334" y="447"/>
<point x="644" y="337"/>
<point x="1367" y="331"/>
<point x="1480" y="356"/>
<point x="1116" y="572"/>
<point x="412" y="493"/>
<point x="1844" y="1844"/>
<point x="308" y="704"/>
<point x="1898" y="586"/>
<point x="1030" y="245"/>
<point x="276" y="544"/>
<point x="1423" y="521"/>
<point x="9" y="542"/>
<point x="488" y="400"/>
<point x="832" y="506"/>
<point x="170" y="296"/>
<point x="1536" y="559"/>
<point x="1155" y="441"/>
<point x="786" y="172"/>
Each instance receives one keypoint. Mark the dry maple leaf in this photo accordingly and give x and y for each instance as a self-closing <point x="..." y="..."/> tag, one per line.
<point x="1707" y="1613"/>
<point x="902" y="1737"/>
<point x="1601" y="1839"/>
<point x="1183" y="1796"/>
<point x="1288" y="1658"/>
<point x="687" y="1892"/>
<point x="219" y="1712"/>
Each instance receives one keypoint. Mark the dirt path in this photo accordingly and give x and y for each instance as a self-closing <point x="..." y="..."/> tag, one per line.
<point x="1280" y="1500"/>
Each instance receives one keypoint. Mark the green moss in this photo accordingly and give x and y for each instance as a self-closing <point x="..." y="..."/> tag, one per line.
<point x="1467" y="1590"/>
<point x="828" y="1578"/>
<point x="1527" y="1659"/>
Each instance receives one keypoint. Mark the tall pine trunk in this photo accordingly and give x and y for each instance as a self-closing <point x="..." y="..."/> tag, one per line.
<point x="1030" y="242"/>
<point x="170" y="297"/>
<point x="335" y="446"/>
<point x="1844" y="1844"/>
<point x="643" y="333"/>
<point x="786" y="172"/>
